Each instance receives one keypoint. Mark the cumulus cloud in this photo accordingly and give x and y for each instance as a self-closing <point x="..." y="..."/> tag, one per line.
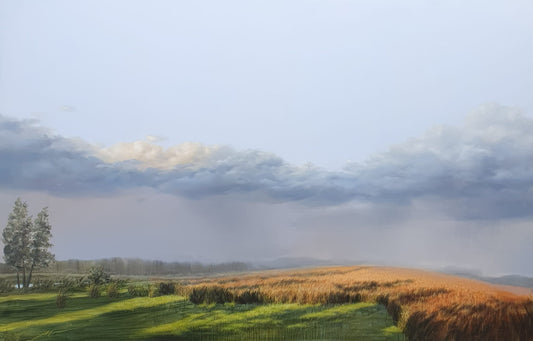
<point x="482" y="169"/>
<point x="151" y="155"/>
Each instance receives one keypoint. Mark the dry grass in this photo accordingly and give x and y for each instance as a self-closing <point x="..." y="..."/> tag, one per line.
<point x="426" y="305"/>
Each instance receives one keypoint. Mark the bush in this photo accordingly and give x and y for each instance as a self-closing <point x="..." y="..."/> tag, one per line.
<point x="6" y="286"/>
<point x="43" y="284"/>
<point x="210" y="295"/>
<point x="166" y="288"/>
<point x="97" y="275"/>
<point x="197" y="295"/>
<point x="138" y="290"/>
<point x="121" y="283"/>
<point x="112" y="291"/>
<point x="69" y="283"/>
<point x="219" y="295"/>
<point x="61" y="299"/>
<point x="249" y="297"/>
<point x="94" y="291"/>
<point x="181" y="290"/>
<point x="153" y="291"/>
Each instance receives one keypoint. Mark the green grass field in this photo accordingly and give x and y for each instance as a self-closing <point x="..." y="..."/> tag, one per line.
<point x="36" y="317"/>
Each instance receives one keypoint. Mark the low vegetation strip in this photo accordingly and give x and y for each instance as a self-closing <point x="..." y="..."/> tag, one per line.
<point x="426" y="306"/>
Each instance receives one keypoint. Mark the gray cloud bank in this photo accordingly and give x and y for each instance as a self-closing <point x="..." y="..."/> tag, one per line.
<point x="482" y="169"/>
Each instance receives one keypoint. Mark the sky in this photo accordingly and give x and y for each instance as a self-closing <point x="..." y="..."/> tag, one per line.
<point x="382" y="132"/>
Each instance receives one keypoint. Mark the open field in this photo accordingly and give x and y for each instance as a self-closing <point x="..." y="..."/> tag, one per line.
<point x="335" y="303"/>
<point x="425" y="305"/>
<point x="35" y="317"/>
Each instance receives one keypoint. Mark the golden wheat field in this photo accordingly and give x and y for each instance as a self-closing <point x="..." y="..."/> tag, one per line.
<point x="425" y="305"/>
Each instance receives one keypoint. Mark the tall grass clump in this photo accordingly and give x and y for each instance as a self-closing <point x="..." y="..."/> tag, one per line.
<point x="112" y="290"/>
<point x="212" y="294"/>
<point x="167" y="288"/>
<point x="153" y="291"/>
<point x="138" y="290"/>
<point x="197" y="295"/>
<point x="43" y="284"/>
<point x="94" y="291"/>
<point x="181" y="290"/>
<point x="249" y="297"/>
<point x="6" y="286"/>
<point x="61" y="299"/>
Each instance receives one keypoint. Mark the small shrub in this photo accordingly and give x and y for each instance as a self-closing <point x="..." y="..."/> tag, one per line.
<point x="219" y="295"/>
<point x="82" y="282"/>
<point x="97" y="275"/>
<point x="121" y="283"/>
<point x="166" y="288"/>
<point x="180" y="290"/>
<point x="249" y="297"/>
<point x="68" y="283"/>
<point x="94" y="291"/>
<point x="112" y="291"/>
<point x="335" y="297"/>
<point x="197" y="295"/>
<point x="138" y="290"/>
<point x="210" y="295"/>
<point x="153" y="291"/>
<point x="43" y="284"/>
<point x="61" y="299"/>
<point x="143" y="290"/>
<point x="6" y="286"/>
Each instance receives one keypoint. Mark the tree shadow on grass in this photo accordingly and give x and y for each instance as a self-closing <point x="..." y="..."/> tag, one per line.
<point x="82" y="310"/>
<point x="119" y="324"/>
<point x="294" y="322"/>
<point x="179" y="319"/>
<point x="17" y="310"/>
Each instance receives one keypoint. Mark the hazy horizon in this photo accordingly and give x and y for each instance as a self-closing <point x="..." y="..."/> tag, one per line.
<point x="395" y="133"/>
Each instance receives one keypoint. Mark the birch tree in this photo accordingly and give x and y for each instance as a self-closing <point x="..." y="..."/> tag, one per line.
<point x="26" y="242"/>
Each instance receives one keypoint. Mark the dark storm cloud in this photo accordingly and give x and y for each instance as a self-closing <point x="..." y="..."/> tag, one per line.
<point x="483" y="169"/>
<point x="262" y="174"/>
<point x="33" y="159"/>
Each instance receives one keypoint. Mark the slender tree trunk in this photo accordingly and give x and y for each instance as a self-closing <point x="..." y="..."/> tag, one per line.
<point x="29" y="277"/>
<point x="18" y="279"/>
<point x="23" y="275"/>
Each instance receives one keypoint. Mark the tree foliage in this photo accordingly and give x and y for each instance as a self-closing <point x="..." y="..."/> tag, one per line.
<point x="27" y="242"/>
<point x="97" y="275"/>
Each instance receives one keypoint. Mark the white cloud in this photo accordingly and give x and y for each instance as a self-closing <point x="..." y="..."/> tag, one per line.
<point x="151" y="155"/>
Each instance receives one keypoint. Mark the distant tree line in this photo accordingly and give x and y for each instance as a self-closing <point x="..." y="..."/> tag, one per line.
<point x="141" y="267"/>
<point x="26" y="244"/>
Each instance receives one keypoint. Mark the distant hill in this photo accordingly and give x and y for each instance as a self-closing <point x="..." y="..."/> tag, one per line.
<point x="516" y="280"/>
<point x="297" y="262"/>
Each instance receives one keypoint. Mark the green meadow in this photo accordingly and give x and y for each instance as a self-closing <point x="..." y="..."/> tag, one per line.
<point x="35" y="316"/>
